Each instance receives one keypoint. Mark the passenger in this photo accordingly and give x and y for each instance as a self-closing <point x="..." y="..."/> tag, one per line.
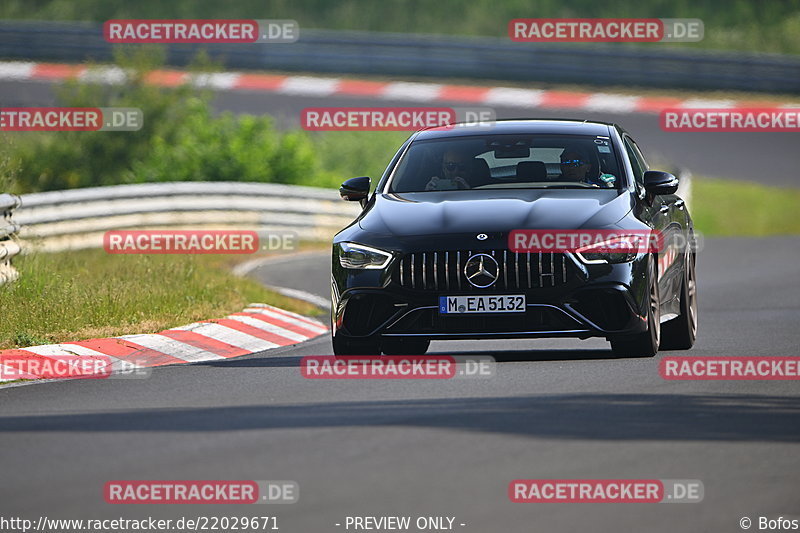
<point x="454" y="169"/>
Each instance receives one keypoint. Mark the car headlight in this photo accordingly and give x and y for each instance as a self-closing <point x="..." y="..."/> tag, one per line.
<point x="361" y="257"/>
<point x="621" y="249"/>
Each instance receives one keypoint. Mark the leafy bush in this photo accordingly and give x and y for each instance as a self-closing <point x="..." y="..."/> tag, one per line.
<point x="63" y="160"/>
<point x="183" y="140"/>
<point x="227" y="148"/>
<point x="9" y="167"/>
<point x="180" y="140"/>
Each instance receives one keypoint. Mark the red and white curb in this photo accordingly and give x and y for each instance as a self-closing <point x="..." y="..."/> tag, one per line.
<point x="417" y="92"/>
<point x="257" y="328"/>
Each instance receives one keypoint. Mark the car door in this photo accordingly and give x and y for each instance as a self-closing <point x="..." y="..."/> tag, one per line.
<point x="666" y="214"/>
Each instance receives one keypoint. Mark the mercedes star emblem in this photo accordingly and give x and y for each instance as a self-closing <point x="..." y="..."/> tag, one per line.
<point x="481" y="270"/>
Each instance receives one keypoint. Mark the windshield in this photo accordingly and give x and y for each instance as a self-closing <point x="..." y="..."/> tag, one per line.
<point x="507" y="162"/>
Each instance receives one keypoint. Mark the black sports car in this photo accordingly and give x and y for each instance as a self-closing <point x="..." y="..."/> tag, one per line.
<point x="430" y="256"/>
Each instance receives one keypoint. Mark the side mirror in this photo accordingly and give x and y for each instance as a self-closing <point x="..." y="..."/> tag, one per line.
<point x="356" y="189"/>
<point x="657" y="182"/>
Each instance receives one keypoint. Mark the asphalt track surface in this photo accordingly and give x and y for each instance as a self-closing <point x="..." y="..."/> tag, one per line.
<point x="563" y="409"/>
<point x="768" y="158"/>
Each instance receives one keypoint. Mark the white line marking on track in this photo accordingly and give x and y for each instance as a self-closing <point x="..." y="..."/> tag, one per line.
<point x="72" y="353"/>
<point x="618" y="103"/>
<point x="230" y="336"/>
<point x="423" y="92"/>
<point x="309" y="86"/>
<point x="217" y="80"/>
<point x="271" y="328"/>
<point x="109" y="75"/>
<point x="16" y="70"/>
<point x="307" y="324"/>
<point x="173" y="348"/>
<point x="512" y="97"/>
<point x="695" y="103"/>
<point x="302" y="295"/>
<point x="284" y="311"/>
<point x="242" y="269"/>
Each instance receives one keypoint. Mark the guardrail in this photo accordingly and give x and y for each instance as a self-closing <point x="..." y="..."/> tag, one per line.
<point x="78" y="218"/>
<point x="655" y="65"/>
<point x="9" y="247"/>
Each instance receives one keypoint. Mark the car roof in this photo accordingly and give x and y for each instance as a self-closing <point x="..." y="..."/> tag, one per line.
<point x="521" y="126"/>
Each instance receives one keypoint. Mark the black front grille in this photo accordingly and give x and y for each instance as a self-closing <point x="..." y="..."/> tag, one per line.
<point x="606" y="308"/>
<point x="445" y="270"/>
<point x="365" y="312"/>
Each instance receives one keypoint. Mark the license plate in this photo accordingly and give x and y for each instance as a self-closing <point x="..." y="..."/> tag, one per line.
<point x="513" y="303"/>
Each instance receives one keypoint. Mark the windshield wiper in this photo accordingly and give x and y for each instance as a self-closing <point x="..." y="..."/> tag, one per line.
<point x="571" y="186"/>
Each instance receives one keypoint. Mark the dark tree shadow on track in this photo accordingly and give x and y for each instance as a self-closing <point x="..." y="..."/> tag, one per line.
<point x="657" y="417"/>
<point x="518" y="356"/>
<point x="505" y="356"/>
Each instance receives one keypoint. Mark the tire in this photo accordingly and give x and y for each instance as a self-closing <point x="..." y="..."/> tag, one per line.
<point x="681" y="332"/>
<point x="405" y="346"/>
<point x="646" y="343"/>
<point x="349" y="346"/>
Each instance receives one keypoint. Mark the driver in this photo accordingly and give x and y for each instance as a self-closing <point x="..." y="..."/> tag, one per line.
<point x="454" y="168"/>
<point x="575" y="163"/>
<point x="578" y="164"/>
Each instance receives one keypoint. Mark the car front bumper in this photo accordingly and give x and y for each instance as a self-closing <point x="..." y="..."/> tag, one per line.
<point x="588" y="301"/>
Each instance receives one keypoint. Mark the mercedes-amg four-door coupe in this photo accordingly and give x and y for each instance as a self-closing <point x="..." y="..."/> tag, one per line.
<point x="434" y="253"/>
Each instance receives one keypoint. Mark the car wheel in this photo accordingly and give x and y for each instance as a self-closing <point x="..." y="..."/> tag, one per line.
<point x="644" y="344"/>
<point x="681" y="332"/>
<point x="349" y="346"/>
<point x="404" y="346"/>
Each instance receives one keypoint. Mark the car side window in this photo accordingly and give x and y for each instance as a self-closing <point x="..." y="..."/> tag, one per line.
<point x="639" y="155"/>
<point x="637" y="163"/>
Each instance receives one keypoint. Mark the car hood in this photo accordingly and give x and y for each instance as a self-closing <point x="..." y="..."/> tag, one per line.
<point x="493" y="211"/>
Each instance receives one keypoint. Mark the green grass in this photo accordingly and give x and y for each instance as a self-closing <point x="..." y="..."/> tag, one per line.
<point x="347" y="154"/>
<point x="726" y="208"/>
<point x="748" y="25"/>
<point x="83" y="294"/>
